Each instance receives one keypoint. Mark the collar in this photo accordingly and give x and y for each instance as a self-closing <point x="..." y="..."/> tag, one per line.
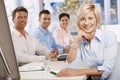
<point x="18" y="33"/>
<point x="44" y="31"/>
<point x="63" y="29"/>
<point x="97" y="37"/>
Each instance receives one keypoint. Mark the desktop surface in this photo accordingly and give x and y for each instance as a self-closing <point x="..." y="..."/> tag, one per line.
<point x="39" y="74"/>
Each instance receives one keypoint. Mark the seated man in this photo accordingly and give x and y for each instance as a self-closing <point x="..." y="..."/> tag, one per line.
<point x="44" y="36"/>
<point x="26" y="46"/>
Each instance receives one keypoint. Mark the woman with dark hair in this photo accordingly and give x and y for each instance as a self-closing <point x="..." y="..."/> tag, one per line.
<point x="61" y="34"/>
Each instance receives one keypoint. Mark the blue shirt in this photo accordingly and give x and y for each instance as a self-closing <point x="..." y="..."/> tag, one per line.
<point x="116" y="72"/>
<point x="45" y="37"/>
<point x="101" y="53"/>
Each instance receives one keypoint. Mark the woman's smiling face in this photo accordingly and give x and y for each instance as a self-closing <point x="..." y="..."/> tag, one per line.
<point x="88" y="22"/>
<point x="64" y="22"/>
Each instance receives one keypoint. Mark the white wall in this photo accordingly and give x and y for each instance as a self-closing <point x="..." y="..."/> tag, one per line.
<point x="114" y="28"/>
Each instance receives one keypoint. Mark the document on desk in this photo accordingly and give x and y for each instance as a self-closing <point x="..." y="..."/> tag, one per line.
<point x="31" y="68"/>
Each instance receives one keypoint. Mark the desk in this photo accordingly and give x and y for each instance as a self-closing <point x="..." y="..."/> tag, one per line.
<point x="46" y="75"/>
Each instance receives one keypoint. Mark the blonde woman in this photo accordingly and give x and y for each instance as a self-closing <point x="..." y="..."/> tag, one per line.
<point x="97" y="48"/>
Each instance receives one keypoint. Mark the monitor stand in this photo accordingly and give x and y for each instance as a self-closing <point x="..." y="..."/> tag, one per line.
<point x="6" y="67"/>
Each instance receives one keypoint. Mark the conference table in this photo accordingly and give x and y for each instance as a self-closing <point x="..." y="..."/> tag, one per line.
<point x="35" y="71"/>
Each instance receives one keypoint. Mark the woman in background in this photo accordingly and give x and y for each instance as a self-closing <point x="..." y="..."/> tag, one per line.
<point x="61" y="34"/>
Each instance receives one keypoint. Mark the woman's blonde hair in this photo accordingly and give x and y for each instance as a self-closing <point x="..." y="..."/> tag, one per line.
<point x="85" y="8"/>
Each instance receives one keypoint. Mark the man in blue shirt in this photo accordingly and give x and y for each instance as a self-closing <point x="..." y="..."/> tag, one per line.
<point x="44" y="36"/>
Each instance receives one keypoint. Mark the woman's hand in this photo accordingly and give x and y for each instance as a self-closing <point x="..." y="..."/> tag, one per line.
<point x="88" y="36"/>
<point x="79" y="37"/>
<point x="67" y="72"/>
<point x="83" y="35"/>
<point x="78" y="72"/>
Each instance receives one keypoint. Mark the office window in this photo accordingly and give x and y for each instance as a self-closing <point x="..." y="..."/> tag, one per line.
<point x="33" y="8"/>
<point x="110" y="11"/>
<point x="113" y="12"/>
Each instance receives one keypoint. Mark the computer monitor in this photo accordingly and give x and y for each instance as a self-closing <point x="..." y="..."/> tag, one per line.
<point x="6" y="47"/>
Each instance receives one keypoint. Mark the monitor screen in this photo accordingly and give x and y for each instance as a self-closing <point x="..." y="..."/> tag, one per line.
<point x="6" y="47"/>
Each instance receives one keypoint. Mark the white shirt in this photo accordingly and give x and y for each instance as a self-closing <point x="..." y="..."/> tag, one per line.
<point x="26" y="48"/>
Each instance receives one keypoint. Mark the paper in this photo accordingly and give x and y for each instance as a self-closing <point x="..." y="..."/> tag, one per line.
<point x="31" y="68"/>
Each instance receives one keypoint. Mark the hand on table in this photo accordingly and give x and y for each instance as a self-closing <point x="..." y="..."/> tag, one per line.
<point x="67" y="72"/>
